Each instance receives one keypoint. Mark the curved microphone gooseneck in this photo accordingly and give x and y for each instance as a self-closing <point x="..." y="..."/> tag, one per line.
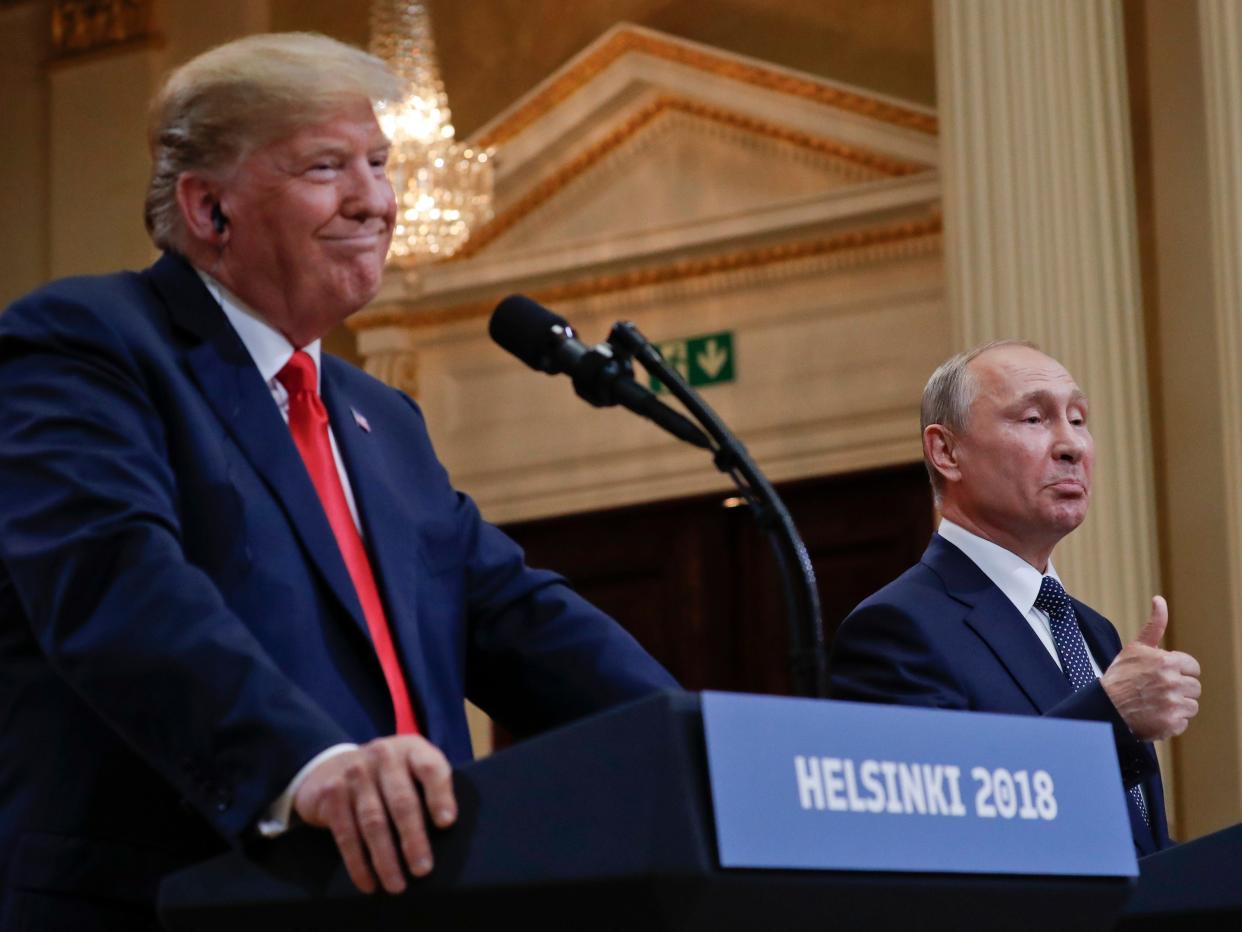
<point x="807" y="650"/>
<point x="603" y="376"/>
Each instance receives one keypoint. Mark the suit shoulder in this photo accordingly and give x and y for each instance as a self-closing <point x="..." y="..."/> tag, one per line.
<point x="343" y="372"/>
<point x="367" y="389"/>
<point x="914" y="593"/>
<point x="90" y="290"/>
<point x="74" y="307"/>
<point x="897" y="645"/>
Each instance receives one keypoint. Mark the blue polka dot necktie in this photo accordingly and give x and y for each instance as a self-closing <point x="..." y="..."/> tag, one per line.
<point x="1072" y="649"/>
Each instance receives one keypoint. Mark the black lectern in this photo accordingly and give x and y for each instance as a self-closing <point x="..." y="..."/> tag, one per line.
<point x="1193" y="886"/>
<point x="607" y="824"/>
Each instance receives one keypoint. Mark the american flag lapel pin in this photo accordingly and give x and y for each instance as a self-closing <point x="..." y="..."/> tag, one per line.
<point x="360" y="420"/>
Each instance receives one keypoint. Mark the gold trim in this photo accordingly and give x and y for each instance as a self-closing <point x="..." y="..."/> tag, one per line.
<point x="696" y="267"/>
<point x="628" y="40"/>
<point x="548" y="188"/>
<point x="81" y="27"/>
<point x="114" y="50"/>
<point x="398" y="368"/>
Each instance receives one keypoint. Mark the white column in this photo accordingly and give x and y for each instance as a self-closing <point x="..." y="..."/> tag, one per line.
<point x="1040" y="244"/>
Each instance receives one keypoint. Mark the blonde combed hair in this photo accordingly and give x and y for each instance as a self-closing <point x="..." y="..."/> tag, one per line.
<point x="219" y="107"/>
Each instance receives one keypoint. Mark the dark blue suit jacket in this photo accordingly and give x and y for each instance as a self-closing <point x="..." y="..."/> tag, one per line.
<point x="943" y="635"/>
<point x="178" y="631"/>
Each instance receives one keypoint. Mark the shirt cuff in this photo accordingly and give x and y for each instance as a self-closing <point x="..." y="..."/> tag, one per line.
<point x="275" y="820"/>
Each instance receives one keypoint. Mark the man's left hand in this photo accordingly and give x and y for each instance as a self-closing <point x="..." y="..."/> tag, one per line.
<point x="361" y="795"/>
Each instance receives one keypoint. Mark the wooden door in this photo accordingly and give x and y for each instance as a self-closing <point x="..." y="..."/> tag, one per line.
<point x="696" y="582"/>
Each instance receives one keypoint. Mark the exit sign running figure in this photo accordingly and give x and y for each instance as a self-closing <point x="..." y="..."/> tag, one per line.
<point x="704" y="360"/>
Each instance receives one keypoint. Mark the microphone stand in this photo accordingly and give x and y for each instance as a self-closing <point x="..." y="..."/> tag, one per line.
<point x="808" y="658"/>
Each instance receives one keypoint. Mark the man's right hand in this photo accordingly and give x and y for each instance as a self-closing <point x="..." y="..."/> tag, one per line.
<point x="1155" y="691"/>
<point x="361" y="795"/>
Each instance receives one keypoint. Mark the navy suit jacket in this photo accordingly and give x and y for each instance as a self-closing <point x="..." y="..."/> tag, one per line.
<point x="943" y="635"/>
<point x="178" y="631"/>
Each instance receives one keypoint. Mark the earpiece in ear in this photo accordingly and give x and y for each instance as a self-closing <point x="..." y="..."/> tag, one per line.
<point x="218" y="220"/>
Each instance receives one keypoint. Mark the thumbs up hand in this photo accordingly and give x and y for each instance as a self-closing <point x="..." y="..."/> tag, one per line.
<point x="1155" y="691"/>
<point x="1153" y="631"/>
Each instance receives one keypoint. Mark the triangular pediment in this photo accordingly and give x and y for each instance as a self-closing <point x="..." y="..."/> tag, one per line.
<point x="646" y="132"/>
<point x="646" y="149"/>
<point x="690" y="191"/>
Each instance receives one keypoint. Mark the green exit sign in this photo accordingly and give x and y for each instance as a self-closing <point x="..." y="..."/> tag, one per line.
<point x="705" y="360"/>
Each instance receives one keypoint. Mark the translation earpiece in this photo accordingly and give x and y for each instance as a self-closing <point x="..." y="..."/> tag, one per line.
<point x="218" y="220"/>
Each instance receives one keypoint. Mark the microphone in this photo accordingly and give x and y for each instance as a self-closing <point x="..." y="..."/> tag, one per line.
<point x="601" y="374"/>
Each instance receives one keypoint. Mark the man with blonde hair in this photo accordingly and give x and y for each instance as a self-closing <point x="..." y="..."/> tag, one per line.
<point x="236" y="587"/>
<point x="983" y="622"/>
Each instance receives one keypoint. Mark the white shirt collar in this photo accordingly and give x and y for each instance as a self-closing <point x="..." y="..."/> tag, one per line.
<point x="1013" y="576"/>
<point x="266" y="345"/>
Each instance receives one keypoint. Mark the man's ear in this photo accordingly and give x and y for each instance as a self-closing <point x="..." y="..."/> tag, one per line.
<point x="941" y="450"/>
<point x="198" y="199"/>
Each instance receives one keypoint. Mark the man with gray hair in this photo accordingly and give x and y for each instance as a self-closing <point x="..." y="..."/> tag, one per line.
<point x="982" y="622"/>
<point x="237" y="589"/>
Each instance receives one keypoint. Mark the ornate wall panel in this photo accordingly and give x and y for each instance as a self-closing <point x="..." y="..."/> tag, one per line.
<point x="691" y="191"/>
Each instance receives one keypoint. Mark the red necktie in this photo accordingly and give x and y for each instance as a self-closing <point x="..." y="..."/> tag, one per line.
<point x="308" y="422"/>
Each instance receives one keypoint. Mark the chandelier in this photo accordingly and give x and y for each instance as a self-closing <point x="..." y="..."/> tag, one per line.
<point x="443" y="187"/>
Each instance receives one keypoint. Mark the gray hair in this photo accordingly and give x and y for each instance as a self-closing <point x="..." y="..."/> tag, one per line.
<point x="949" y="395"/>
<point x="217" y="108"/>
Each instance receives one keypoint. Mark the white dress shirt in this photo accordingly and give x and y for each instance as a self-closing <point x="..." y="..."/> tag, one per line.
<point x="270" y="351"/>
<point x="1013" y="576"/>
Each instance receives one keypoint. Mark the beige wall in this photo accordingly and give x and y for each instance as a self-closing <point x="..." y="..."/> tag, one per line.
<point x="97" y="158"/>
<point x="1170" y="167"/>
<point x="24" y="241"/>
<point x="1189" y="399"/>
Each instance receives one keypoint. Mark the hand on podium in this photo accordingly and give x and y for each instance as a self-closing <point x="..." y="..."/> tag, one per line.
<point x="362" y="795"/>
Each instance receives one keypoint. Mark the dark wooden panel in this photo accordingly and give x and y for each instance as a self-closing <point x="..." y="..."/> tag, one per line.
<point x="664" y="571"/>
<point x="696" y="582"/>
<point x="861" y="531"/>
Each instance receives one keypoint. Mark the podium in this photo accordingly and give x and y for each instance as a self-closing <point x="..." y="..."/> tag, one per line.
<point x="607" y="824"/>
<point x="1193" y="886"/>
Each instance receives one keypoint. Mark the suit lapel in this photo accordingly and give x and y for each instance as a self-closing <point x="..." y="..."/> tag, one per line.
<point x="385" y="509"/>
<point x="1098" y="634"/>
<point x="993" y="617"/>
<point x="224" y="371"/>
<point x="1001" y="626"/>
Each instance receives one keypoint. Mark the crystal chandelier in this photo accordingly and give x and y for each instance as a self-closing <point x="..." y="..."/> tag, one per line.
<point x="444" y="187"/>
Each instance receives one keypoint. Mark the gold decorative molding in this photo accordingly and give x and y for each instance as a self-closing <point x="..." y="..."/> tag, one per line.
<point x="879" y="165"/>
<point x="626" y="40"/>
<point x="82" y="27"/>
<point x="398" y="369"/>
<point x="683" y="269"/>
